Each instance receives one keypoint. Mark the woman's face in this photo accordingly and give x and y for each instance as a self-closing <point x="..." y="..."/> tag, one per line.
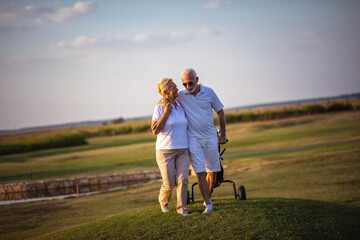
<point x="172" y="91"/>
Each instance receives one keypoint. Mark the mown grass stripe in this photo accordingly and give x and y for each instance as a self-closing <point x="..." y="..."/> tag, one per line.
<point x="259" y="218"/>
<point x="314" y="148"/>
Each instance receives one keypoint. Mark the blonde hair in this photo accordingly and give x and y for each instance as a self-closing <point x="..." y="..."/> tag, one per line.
<point x="163" y="85"/>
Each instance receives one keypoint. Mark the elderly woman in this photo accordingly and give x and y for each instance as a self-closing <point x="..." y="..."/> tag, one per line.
<point x="169" y="124"/>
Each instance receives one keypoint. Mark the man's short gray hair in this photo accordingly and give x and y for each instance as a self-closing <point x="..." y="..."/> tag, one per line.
<point x="189" y="70"/>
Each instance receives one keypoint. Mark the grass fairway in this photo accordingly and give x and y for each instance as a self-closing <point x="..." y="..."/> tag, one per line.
<point x="262" y="218"/>
<point x="103" y="155"/>
<point x="302" y="177"/>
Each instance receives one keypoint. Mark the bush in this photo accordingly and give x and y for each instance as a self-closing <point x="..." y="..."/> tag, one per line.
<point x="41" y="142"/>
<point x="231" y="118"/>
<point x="117" y="120"/>
<point x="106" y="131"/>
<point x="337" y="106"/>
<point x="314" y="108"/>
<point x="58" y="141"/>
<point x="89" y="134"/>
<point x="288" y="112"/>
<point x="141" y="128"/>
<point x="123" y="130"/>
<point x="246" y="117"/>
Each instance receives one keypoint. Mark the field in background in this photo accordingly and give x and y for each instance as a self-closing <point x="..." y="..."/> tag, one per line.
<point x="354" y="101"/>
<point x="282" y="163"/>
<point x="28" y="141"/>
<point x="103" y="155"/>
<point x="20" y="142"/>
<point x="286" y="111"/>
<point x="114" y="152"/>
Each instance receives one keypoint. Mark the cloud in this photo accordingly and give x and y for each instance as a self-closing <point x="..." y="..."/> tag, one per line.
<point x="207" y="32"/>
<point x="314" y="39"/>
<point x="32" y="10"/>
<point x="68" y="13"/>
<point x="216" y="4"/>
<point x="85" y="48"/>
<point x="11" y="12"/>
<point x="117" y="37"/>
<point x="306" y="41"/>
<point x="7" y="28"/>
<point x="176" y="35"/>
<point x="7" y="14"/>
<point x="17" y="59"/>
<point x="140" y="40"/>
<point x="40" y="21"/>
<point x="141" y="37"/>
<point x="11" y="15"/>
<point x="78" y="42"/>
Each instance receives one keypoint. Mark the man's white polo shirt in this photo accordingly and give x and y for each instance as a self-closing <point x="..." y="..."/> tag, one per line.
<point x="199" y="111"/>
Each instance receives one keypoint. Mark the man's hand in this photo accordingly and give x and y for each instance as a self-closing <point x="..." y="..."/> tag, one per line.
<point x="222" y="123"/>
<point x="222" y="139"/>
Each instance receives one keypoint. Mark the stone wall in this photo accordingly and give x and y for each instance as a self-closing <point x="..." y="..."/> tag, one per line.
<point x="17" y="191"/>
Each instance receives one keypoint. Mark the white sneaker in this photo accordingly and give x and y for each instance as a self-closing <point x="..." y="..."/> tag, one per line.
<point x="165" y="208"/>
<point x="208" y="209"/>
<point x="185" y="214"/>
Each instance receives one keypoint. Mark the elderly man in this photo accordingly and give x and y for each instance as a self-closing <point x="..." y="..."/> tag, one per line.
<point x="199" y="102"/>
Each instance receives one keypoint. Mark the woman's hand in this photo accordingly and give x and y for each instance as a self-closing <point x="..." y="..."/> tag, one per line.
<point x="167" y="107"/>
<point x="158" y="126"/>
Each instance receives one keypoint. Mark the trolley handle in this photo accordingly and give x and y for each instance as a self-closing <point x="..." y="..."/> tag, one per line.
<point x="222" y="152"/>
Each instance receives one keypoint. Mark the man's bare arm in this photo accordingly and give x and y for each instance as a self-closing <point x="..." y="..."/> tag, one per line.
<point x="222" y="123"/>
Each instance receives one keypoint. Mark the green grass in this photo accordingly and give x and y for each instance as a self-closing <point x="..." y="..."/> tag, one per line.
<point x="136" y="151"/>
<point x="302" y="178"/>
<point x="263" y="218"/>
<point x="101" y="155"/>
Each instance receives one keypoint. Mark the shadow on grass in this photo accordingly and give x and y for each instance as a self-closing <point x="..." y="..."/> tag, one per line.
<point x="26" y="218"/>
<point x="261" y="218"/>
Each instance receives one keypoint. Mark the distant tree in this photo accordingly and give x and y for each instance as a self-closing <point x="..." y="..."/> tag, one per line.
<point x="117" y="120"/>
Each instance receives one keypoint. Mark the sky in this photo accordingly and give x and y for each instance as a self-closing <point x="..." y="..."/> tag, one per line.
<point x="70" y="61"/>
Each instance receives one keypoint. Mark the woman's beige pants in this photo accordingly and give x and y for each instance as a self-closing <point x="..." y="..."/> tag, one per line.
<point x="174" y="168"/>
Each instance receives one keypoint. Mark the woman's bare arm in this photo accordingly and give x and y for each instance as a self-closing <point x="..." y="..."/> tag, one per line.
<point x="158" y="126"/>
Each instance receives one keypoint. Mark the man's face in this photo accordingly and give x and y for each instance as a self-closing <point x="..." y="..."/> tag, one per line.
<point x="189" y="81"/>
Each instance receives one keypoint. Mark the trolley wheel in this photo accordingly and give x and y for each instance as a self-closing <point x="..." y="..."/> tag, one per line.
<point x="188" y="197"/>
<point x="242" y="193"/>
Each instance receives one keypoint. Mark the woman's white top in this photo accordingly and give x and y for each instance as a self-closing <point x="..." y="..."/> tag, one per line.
<point x="174" y="134"/>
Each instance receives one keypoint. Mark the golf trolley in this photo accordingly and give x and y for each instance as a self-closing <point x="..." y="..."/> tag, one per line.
<point x="219" y="180"/>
